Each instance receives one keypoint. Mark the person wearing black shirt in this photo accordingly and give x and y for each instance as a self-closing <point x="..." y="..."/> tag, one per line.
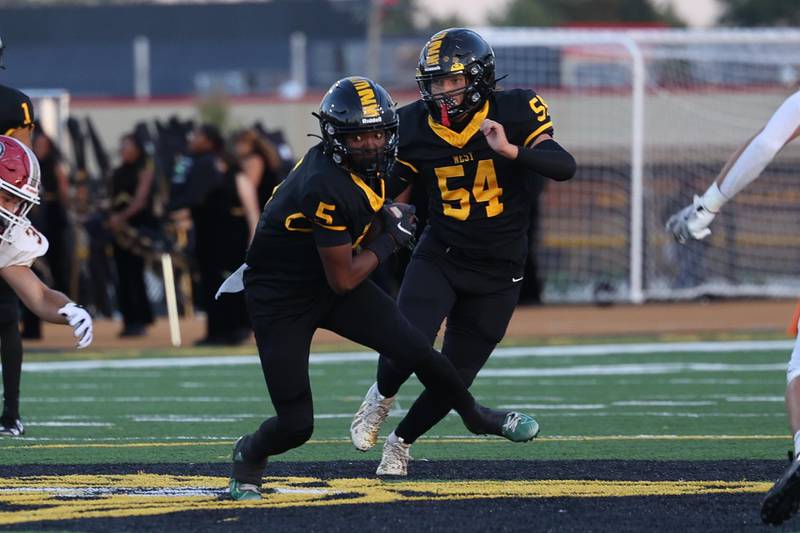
<point x="307" y="268"/>
<point x="224" y="208"/>
<point x="131" y="210"/>
<point x="479" y="153"/>
<point x="259" y="161"/>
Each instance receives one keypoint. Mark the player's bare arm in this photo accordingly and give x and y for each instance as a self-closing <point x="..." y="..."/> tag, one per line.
<point x="38" y="297"/>
<point x="345" y="271"/>
<point x="405" y="196"/>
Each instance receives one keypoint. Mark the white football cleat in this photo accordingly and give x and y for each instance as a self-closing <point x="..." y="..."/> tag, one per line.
<point x="396" y="455"/>
<point x="368" y="419"/>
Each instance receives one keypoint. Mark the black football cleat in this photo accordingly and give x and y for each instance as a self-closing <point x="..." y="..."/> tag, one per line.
<point x="783" y="499"/>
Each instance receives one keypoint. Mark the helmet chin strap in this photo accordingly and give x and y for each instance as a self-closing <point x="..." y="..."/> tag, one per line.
<point x="443" y="111"/>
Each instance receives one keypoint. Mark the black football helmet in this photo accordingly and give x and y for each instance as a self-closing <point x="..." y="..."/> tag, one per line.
<point x="456" y="51"/>
<point x="358" y="105"/>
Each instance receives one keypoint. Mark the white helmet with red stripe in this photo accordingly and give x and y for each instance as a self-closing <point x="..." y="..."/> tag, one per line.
<point x="19" y="187"/>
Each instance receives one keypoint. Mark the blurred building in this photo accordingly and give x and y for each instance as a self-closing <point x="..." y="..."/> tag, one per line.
<point x="241" y="47"/>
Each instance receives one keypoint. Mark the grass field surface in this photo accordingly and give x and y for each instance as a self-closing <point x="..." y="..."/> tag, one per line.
<point x="651" y="409"/>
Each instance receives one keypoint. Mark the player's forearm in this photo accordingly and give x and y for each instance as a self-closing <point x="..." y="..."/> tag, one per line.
<point x="344" y="280"/>
<point x="46" y="305"/>
<point x="53" y="301"/>
<point x="405" y="196"/>
<point x="548" y="159"/>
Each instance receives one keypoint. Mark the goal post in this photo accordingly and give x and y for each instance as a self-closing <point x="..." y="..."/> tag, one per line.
<point x="652" y="116"/>
<point x="51" y="110"/>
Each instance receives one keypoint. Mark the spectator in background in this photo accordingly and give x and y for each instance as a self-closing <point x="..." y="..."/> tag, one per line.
<point x="50" y="217"/>
<point x="224" y="209"/>
<point x="259" y="161"/>
<point x="131" y="208"/>
<point x="54" y="206"/>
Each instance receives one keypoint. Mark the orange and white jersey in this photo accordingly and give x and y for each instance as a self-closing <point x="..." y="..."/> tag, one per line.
<point x="26" y="248"/>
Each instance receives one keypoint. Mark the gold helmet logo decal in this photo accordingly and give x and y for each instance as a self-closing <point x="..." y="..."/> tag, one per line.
<point x="434" y="46"/>
<point x="369" y="102"/>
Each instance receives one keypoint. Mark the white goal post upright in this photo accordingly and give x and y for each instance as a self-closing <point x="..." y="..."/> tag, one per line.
<point x="655" y="88"/>
<point x="51" y="111"/>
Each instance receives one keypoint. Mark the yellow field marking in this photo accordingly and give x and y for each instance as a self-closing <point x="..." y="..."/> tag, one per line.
<point x="446" y="440"/>
<point x="52" y="498"/>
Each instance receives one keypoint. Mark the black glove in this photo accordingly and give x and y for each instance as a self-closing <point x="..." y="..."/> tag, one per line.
<point x="400" y="222"/>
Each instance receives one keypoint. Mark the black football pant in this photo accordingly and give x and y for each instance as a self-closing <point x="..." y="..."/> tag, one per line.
<point x="365" y="315"/>
<point x="131" y="290"/>
<point x="478" y="302"/>
<point x="10" y="349"/>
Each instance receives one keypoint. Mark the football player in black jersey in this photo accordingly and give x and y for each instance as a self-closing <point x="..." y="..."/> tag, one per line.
<point x="478" y="152"/>
<point x="307" y="268"/>
<point x="16" y="120"/>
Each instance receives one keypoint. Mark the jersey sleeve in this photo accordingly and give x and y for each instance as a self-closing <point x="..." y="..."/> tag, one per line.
<point x="532" y="118"/>
<point x="404" y="173"/>
<point x="324" y="209"/>
<point x="26" y="249"/>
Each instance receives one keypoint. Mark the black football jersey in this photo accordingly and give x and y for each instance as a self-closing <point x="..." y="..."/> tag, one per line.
<point x="16" y="110"/>
<point x="318" y="204"/>
<point x="479" y="201"/>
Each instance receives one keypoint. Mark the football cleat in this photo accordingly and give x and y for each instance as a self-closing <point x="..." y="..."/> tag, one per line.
<point x="783" y="499"/>
<point x="368" y="419"/>
<point x="519" y="427"/>
<point x="242" y="492"/>
<point x="11" y="427"/>
<point x="396" y="455"/>
<point x="245" y="482"/>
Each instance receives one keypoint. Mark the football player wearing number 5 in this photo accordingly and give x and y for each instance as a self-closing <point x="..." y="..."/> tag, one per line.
<point x="477" y="151"/>
<point x="307" y="268"/>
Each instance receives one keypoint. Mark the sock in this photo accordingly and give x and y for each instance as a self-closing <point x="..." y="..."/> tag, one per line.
<point x="797" y="444"/>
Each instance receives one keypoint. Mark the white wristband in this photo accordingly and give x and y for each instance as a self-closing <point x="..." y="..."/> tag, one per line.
<point x="713" y="199"/>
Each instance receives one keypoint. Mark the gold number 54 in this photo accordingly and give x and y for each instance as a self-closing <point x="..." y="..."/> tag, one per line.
<point x="484" y="190"/>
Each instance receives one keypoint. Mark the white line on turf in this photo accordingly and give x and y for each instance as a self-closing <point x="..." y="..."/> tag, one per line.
<point x="350" y="357"/>
<point x="52" y="424"/>
<point x="224" y="440"/>
<point x="663" y="403"/>
<point x="554" y="407"/>
<point x="628" y="369"/>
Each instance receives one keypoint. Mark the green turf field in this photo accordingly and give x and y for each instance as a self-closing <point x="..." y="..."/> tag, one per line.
<point x="671" y="402"/>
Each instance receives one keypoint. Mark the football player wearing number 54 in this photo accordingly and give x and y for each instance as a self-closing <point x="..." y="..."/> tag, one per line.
<point x="478" y="152"/>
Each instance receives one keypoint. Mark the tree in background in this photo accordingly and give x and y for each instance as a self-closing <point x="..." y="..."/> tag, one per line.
<point x="562" y="12"/>
<point x="760" y="12"/>
<point x="399" y="18"/>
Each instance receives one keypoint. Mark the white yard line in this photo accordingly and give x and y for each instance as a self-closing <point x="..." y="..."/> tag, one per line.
<point x="350" y="357"/>
<point x="628" y="369"/>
